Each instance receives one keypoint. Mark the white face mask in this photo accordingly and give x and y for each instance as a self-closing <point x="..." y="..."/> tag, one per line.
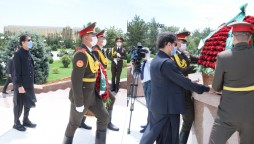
<point x="183" y="47"/>
<point x="104" y="42"/>
<point x="94" y="41"/>
<point x="119" y="44"/>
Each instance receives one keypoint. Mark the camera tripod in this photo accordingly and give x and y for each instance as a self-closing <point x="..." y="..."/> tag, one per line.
<point x="132" y="94"/>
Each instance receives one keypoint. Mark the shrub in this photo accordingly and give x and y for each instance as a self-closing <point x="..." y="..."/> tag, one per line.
<point x="51" y="60"/>
<point x="54" y="47"/>
<point x="55" y="71"/>
<point x="66" y="60"/>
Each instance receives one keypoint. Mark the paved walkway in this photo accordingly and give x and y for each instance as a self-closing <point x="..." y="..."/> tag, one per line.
<point x="51" y="116"/>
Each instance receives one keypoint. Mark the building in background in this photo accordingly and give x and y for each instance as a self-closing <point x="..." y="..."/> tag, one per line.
<point x="46" y="31"/>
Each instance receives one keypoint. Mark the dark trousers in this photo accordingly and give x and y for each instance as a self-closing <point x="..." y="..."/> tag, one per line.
<point x="99" y="112"/>
<point x="116" y="71"/>
<point x="188" y="115"/>
<point x="112" y="100"/>
<point x="147" y="92"/>
<point x="222" y="131"/>
<point x="164" y="129"/>
<point x="18" y="108"/>
<point x="7" y="82"/>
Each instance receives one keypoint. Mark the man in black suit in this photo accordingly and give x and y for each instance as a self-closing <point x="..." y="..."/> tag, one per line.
<point x="9" y="72"/>
<point x="9" y="75"/>
<point x="167" y="98"/>
<point x="24" y="95"/>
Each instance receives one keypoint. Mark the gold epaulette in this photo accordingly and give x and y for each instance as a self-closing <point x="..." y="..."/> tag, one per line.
<point x="181" y="63"/>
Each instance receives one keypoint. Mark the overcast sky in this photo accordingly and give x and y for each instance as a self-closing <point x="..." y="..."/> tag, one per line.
<point x="191" y="14"/>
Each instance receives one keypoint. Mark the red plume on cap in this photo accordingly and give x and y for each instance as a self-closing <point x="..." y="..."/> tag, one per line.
<point x="242" y="27"/>
<point x="183" y="35"/>
<point x="88" y="29"/>
<point x="100" y="34"/>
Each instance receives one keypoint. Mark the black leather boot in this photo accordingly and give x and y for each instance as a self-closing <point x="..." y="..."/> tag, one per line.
<point x="83" y="125"/>
<point x="100" y="137"/>
<point x="183" y="138"/>
<point x="113" y="86"/>
<point x="110" y="125"/>
<point x="67" y="140"/>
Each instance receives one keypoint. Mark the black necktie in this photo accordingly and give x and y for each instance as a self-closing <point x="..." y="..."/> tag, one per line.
<point x="142" y="70"/>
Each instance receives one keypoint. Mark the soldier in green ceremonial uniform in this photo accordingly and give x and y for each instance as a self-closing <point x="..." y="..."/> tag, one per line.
<point x="83" y="94"/>
<point x="117" y="55"/>
<point x="183" y="60"/>
<point x="234" y="76"/>
<point x="100" y="53"/>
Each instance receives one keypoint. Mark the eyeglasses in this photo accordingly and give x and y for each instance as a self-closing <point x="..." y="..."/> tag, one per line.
<point x="28" y="40"/>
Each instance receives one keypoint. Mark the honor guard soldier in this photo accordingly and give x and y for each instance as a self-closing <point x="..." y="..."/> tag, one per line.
<point x="183" y="60"/>
<point x="117" y="55"/>
<point x="100" y="55"/>
<point x="234" y="76"/>
<point x="83" y="94"/>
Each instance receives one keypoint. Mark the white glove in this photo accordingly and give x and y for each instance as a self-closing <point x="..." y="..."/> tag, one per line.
<point x="118" y="55"/>
<point x="80" y="109"/>
<point x="115" y="60"/>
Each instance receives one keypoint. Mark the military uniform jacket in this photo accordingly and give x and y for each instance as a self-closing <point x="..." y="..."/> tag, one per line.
<point x="235" y="68"/>
<point x="184" y="63"/>
<point x="23" y="69"/>
<point x="113" y="54"/>
<point x="83" y="91"/>
<point x="168" y="86"/>
<point x="100" y="55"/>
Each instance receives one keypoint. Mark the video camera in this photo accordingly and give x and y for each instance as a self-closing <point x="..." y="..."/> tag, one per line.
<point x="137" y="54"/>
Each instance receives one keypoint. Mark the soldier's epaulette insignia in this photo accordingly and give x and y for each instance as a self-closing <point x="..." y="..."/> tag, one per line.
<point x="79" y="63"/>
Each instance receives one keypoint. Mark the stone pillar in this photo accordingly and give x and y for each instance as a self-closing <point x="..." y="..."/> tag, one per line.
<point x="206" y="106"/>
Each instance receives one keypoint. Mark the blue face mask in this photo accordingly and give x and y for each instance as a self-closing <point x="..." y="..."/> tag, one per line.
<point x="174" y="51"/>
<point x="30" y="44"/>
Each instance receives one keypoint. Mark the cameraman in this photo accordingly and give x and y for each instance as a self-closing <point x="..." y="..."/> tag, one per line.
<point x="146" y="81"/>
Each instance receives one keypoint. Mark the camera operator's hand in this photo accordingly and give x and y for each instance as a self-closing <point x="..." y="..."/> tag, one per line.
<point x="118" y="55"/>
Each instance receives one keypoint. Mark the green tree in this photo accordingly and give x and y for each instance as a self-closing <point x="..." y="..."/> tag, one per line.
<point x="38" y="51"/>
<point x="136" y="31"/>
<point x="173" y="29"/>
<point x="152" y="34"/>
<point x="68" y="43"/>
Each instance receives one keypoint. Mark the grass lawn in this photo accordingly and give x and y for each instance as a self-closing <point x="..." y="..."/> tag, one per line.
<point x="66" y="72"/>
<point x="63" y="72"/>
